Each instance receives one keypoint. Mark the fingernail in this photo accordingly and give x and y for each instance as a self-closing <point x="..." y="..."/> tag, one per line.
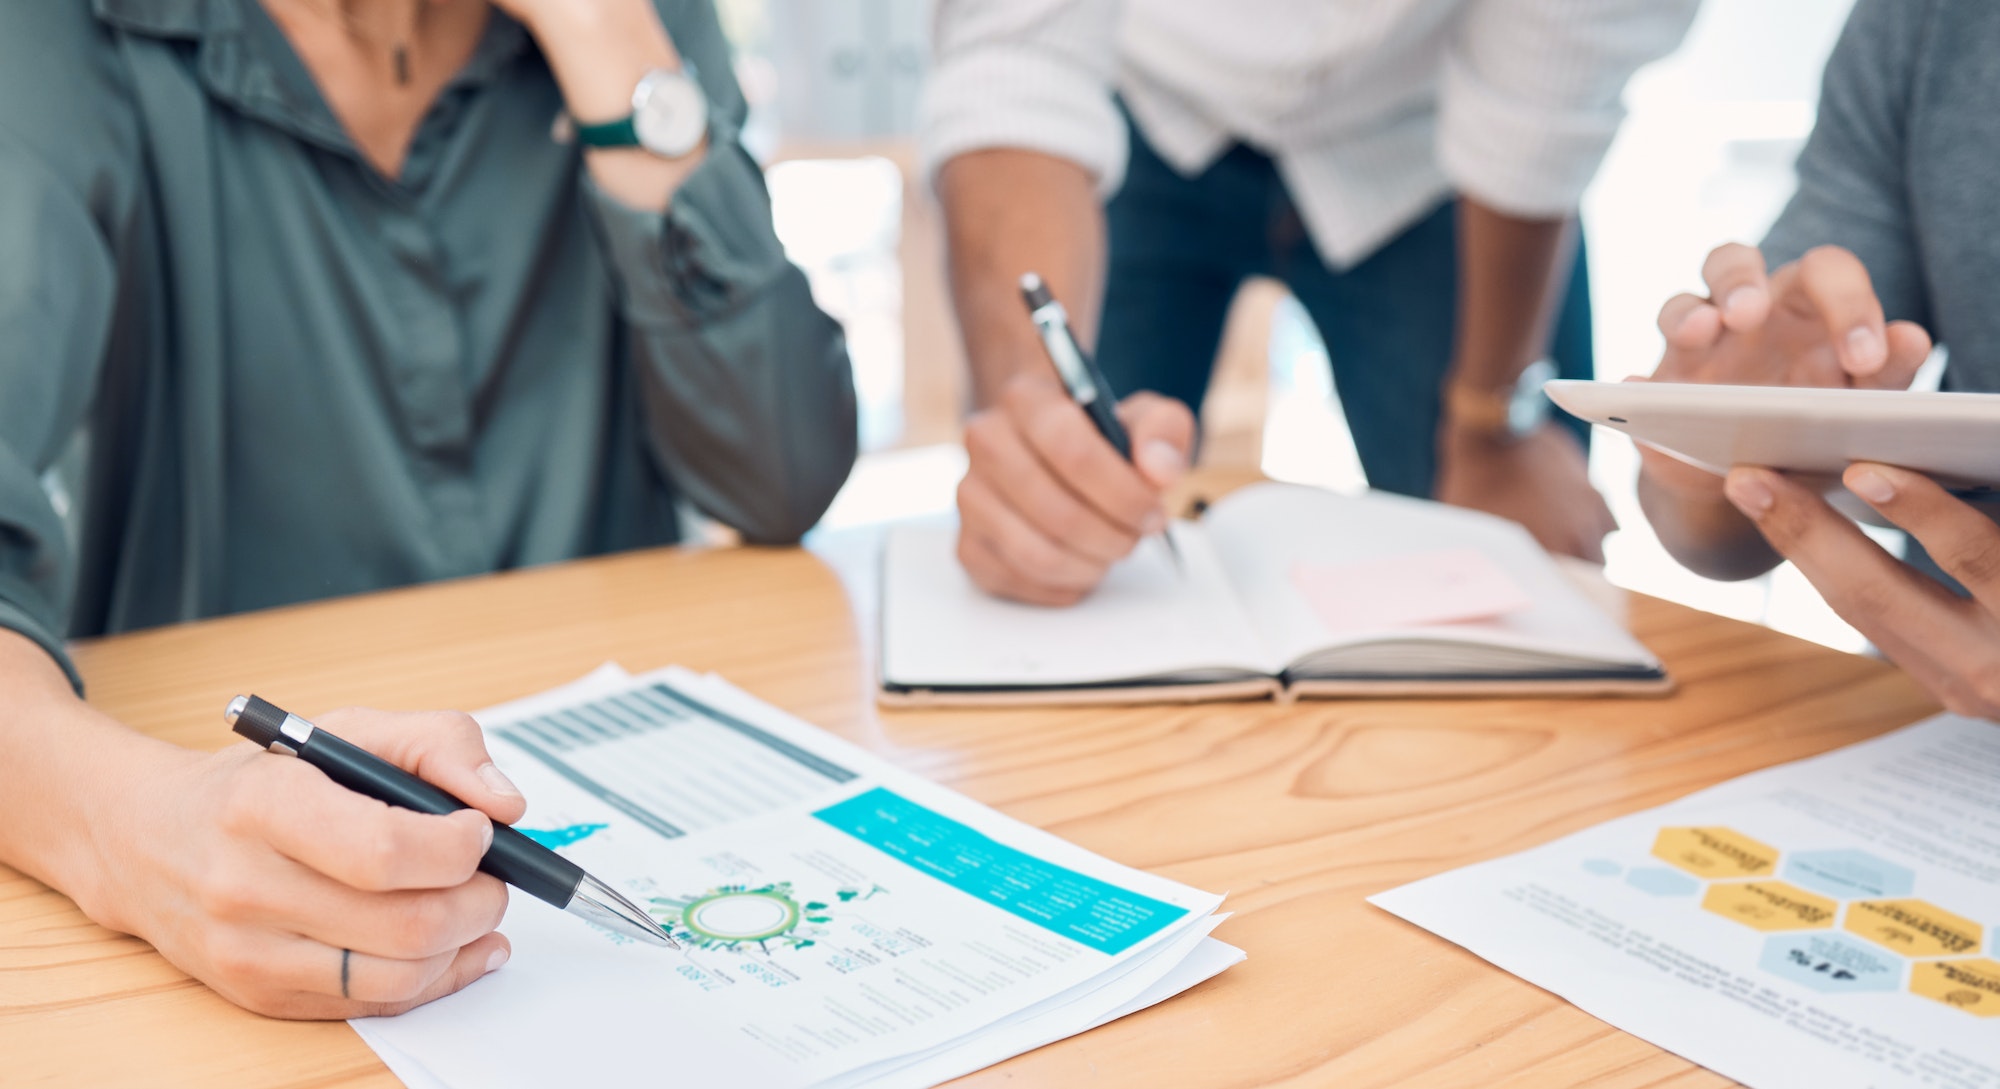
<point x="1742" y="299"/>
<point x="495" y="959"/>
<point x="485" y="830"/>
<point x="497" y="781"/>
<point x="1866" y="351"/>
<point x="1161" y="460"/>
<point x="1751" y="495"/>
<point x="1872" y="486"/>
<point x="1155" y="522"/>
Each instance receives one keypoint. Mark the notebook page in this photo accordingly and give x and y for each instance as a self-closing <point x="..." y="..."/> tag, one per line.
<point x="1264" y="533"/>
<point x="1147" y="620"/>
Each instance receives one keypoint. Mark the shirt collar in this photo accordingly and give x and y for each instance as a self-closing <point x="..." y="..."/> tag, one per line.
<point x="245" y="61"/>
<point x="169" y="18"/>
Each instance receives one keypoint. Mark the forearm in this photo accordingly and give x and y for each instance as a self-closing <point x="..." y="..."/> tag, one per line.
<point x="59" y="758"/>
<point x="1513" y="273"/>
<point x="1705" y="533"/>
<point x="1512" y="276"/>
<point x="1010" y="211"/>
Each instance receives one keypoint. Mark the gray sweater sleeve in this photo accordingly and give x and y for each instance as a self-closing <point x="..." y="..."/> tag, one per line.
<point x="749" y="397"/>
<point x="1853" y="175"/>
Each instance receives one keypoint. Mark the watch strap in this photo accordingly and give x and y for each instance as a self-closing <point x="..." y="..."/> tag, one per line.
<point x="620" y="133"/>
<point x="1512" y="412"/>
<point x="1481" y="412"/>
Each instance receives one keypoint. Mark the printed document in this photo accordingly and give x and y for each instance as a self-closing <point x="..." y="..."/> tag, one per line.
<point x="1828" y="923"/>
<point x="842" y="922"/>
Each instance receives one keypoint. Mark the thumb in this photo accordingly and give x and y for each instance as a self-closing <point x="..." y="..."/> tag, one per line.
<point x="444" y="748"/>
<point x="1162" y="432"/>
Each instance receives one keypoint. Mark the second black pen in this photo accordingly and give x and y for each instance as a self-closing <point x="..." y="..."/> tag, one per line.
<point x="1081" y="376"/>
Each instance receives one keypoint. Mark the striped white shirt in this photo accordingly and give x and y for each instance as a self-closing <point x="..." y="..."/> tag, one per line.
<point x="1374" y="110"/>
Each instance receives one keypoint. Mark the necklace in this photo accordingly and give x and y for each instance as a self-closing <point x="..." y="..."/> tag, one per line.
<point x="399" y="47"/>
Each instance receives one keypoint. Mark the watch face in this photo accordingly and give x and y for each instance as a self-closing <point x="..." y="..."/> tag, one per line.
<point x="670" y="114"/>
<point x="1526" y="413"/>
<point x="1529" y="407"/>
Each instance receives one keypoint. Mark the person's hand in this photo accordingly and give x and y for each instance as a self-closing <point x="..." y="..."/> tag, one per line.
<point x="1047" y="506"/>
<point x="295" y="897"/>
<point x="1949" y="644"/>
<point x="1541" y="481"/>
<point x="599" y="50"/>
<point x="1814" y="322"/>
<point x="538" y="15"/>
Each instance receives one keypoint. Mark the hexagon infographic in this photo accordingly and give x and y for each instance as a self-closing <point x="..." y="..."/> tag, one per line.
<point x="1770" y="905"/>
<point x="1715" y="853"/>
<point x="1832" y="963"/>
<point x="1969" y="985"/>
<point x="1914" y="928"/>
<point x="1848" y="874"/>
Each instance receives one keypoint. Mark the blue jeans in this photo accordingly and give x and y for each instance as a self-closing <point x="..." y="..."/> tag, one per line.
<point x="1181" y="246"/>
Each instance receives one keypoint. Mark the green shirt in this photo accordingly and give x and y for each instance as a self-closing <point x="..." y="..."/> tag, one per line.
<point x="297" y="378"/>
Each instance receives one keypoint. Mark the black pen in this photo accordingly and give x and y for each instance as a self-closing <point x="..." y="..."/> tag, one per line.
<point x="513" y="858"/>
<point x="1081" y="376"/>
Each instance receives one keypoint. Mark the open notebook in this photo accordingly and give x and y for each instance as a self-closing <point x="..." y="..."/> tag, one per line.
<point x="1286" y="591"/>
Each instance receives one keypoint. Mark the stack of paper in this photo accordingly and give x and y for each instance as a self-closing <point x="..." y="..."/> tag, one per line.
<point x="842" y="922"/>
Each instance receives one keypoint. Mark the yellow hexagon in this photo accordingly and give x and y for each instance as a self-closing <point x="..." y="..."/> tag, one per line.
<point x="1715" y="852"/>
<point x="1913" y="928"/>
<point x="1770" y="905"/>
<point x="1969" y="985"/>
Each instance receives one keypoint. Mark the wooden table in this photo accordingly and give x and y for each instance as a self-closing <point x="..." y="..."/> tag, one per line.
<point x="1297" y="812"/>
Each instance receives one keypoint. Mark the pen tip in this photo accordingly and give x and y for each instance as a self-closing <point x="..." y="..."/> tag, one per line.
<point x="1030" y="282"/>
<point x="235" y="709"/>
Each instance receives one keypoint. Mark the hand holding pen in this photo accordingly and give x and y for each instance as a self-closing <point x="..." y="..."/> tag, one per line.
<point x="292" y="895"/>
<point x="509" y="855"/>
<point x="1080" y="375"/>
<point x="1048" y="504"/>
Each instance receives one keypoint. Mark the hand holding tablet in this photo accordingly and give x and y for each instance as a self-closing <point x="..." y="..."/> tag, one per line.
<point x="1813" y="323"/>
<point x="1774" y="379"/>
<point x="1812" y="434"/>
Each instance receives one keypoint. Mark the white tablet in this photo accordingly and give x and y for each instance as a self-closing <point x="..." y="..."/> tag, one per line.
<point x="1952" y="437"/>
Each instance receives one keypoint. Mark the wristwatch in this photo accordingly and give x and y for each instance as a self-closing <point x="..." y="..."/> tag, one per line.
<point x="669" y="116"/>
<point x="1511" y="413"/>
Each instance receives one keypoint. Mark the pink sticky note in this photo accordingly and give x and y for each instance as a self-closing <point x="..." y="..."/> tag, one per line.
<point x="1449" y="586"/>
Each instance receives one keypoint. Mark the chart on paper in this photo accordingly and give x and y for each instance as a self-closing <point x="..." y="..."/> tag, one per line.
<point x="671" y="763"/>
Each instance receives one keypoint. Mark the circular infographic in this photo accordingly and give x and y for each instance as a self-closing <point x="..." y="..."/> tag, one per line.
<point x="736" y="918"/>
<point x="741" y="915"/>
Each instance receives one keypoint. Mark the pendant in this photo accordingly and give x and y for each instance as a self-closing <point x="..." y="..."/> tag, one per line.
<point x="400" y="57"/>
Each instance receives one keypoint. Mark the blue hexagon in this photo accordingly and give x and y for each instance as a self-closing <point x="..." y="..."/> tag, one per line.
<point x="1602" y="867"/>
<point x="1849" y="874"/>
<point x="1831" y="963"/>
<point x="1661" y="881"/>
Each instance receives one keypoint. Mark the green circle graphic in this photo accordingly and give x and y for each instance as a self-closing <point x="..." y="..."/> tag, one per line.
<point x="741" y="916"/>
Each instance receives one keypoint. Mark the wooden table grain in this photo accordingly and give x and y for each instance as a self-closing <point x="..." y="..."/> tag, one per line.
<point x="1298" y="812"/>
